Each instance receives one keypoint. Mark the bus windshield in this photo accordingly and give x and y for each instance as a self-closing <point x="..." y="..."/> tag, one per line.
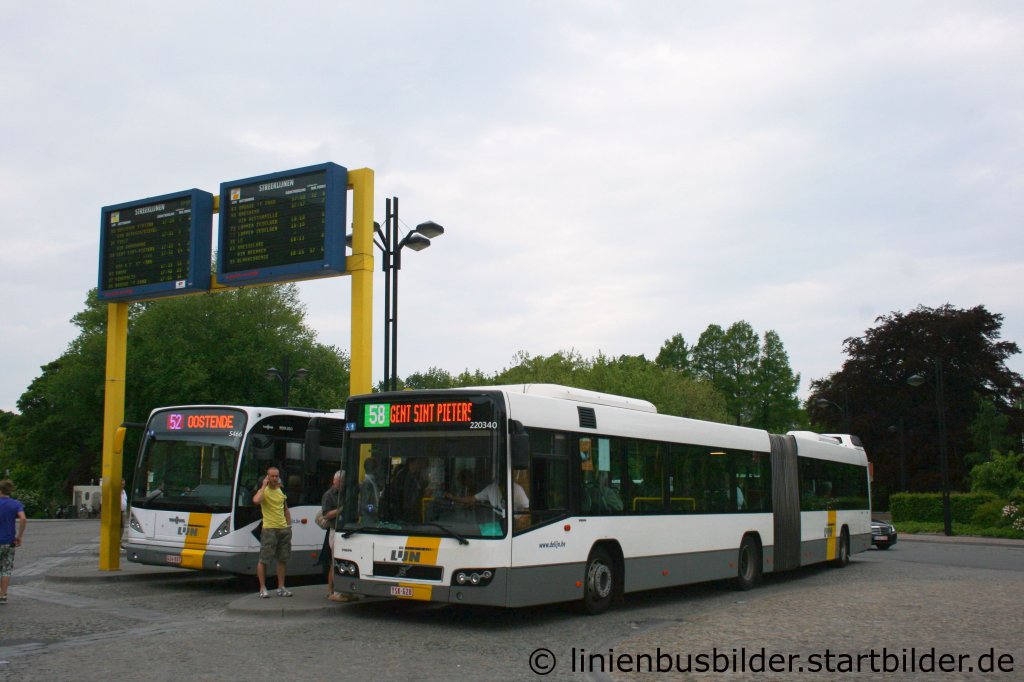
<point x="186" y="474"/>
<point x="188" y="460"/>
<point x="437" y="483"/>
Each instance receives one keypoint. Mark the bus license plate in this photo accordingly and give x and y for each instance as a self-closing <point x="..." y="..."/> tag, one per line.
<point x="401" y="591"/>
<point x="173" y="559"/>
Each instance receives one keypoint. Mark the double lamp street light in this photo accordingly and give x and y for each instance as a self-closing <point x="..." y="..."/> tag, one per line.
<point x="286" y="376"/>
<point x="390" y="245"/>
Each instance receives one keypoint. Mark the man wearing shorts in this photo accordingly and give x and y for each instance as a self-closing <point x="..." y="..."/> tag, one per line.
<point x="11" y="510"/>
<point x="276" y="539"/>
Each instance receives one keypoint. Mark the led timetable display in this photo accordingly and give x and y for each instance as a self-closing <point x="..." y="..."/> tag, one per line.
<point x="283" y="226"/>
<point x="156" y="247"/>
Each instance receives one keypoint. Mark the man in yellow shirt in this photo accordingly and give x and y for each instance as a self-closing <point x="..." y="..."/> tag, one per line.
<point x="276" y="538"/>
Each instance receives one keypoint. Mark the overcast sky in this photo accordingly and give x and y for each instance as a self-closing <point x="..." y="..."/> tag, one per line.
<point x="609" y="173"/>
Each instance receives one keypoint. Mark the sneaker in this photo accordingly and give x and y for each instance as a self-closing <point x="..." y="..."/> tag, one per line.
<point x="262" y="594"/>
<point x="338" y="596"/>
<point x="282" y="592"/>
<point x="3" y="599"/>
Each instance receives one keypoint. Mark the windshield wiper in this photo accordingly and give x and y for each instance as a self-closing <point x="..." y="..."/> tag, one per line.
<point x="449" y="531"/>
<point x="348" y="533"/>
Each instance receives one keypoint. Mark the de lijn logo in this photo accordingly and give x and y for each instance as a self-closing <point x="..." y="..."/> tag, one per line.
<point x="408" y="555"/>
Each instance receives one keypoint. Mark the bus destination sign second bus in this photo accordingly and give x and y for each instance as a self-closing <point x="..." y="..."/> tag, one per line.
<point x="283" y="226"/>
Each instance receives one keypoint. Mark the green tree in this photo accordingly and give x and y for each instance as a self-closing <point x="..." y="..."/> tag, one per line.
<point x="204" y="348"/>
<point x="434" y="377"/>
<point x="738" y="380"/>
<point x="708" y="357"/>
<point x="631" y="376"/>
<point x="777" y="406"/>
<point x="675" y="354"/>
<point x="1001" y="475"/>
<point x="756" y="379"/>
<point x="990" y="432"/>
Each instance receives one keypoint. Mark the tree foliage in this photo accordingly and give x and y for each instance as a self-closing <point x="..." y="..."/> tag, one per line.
<point x="1001" y="475"/>
<point x="193" y="349"/>
<point x="872" y="390"/>
<point x="633" y="376"/>
<point x="755" y="378"/>
<point x="675" y="354"/>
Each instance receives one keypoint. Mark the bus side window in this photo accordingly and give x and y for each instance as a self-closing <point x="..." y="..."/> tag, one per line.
<point x="547" y="481"/>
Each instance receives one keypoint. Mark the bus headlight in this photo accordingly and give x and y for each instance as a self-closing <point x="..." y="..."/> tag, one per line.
<point x="134" y="523"/>
<point x="342" y="567"/>
<point x="223" y="529"/>
<point x="473" y="576"/>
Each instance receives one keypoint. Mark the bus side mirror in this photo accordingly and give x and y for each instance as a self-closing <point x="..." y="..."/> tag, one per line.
<point x="520" y="441"/>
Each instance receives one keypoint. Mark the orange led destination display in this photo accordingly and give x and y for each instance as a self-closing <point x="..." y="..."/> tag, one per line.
<point x="432" y="413"/>
<point x="230" y="422"/>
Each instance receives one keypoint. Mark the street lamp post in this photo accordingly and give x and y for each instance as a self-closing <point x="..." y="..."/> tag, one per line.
<point x="286" y="376"/>
<point x="825" y="402"/>
<point x="940" y="406"/>
<point x="391" y="247"/>
<point x="898" y="429"/>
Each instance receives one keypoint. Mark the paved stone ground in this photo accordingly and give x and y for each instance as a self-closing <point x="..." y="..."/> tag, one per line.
<point x="69" y="621"/>
<point x="958" y="611"/>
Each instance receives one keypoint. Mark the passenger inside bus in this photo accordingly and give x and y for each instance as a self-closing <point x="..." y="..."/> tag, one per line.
<point x="495" y="495"/>
<point x="369" y="493"/>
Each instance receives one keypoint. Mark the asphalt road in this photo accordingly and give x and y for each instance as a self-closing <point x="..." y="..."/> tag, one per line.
<point x="65" y="621"/>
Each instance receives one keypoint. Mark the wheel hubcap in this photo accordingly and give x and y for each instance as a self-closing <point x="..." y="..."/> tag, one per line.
<point x="599" y="580"/>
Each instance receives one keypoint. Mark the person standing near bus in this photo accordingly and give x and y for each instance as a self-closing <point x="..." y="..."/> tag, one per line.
<point x="124" y="510"/>
<point x="330" y="507"/>
<point x="11" y="510"/>
<point x="276" y="538"/>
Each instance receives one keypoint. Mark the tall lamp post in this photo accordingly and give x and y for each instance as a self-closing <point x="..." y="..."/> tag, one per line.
<point x="286" y="376"/>
<point x="898" y="429"/>
<point x="917" y="380"/>
<point x="391" y="247"/>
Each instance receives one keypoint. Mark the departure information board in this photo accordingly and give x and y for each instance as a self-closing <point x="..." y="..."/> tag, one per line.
<point x="283" y="226"/>
<point x="156" y="247"/>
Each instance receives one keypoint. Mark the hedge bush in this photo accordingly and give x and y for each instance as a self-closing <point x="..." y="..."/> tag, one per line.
<point x="928" y="506"/>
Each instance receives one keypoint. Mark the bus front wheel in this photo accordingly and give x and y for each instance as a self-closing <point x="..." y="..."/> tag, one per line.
<point x="598" y="582"/>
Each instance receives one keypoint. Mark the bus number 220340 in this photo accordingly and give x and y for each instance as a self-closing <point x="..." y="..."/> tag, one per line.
<point x="483" y="425"/>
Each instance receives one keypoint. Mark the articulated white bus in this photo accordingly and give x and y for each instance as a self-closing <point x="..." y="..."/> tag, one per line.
<point x="198" y="468"/>
<point x="607" y="497"/>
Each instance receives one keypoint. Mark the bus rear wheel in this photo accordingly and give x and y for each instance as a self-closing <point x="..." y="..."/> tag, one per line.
<point x="598" y="582"/>
<point x="843" y="555"/>
<point x="748" y="564"/>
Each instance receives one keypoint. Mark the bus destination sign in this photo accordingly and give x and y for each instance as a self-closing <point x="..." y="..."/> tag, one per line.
<point x="156" y="247"/>
<point x="198" y="420"/>
<point x="439" y="413"/>
<point x="283" y="226"/>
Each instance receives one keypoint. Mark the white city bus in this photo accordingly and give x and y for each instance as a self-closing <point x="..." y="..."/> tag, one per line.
<point x="614" y="498"/>
<point x="197" y="471"/>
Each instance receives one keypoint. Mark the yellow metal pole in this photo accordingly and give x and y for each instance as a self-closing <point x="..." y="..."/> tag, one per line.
<point x="113" y="416"/>
<point x="360" y="267"/>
